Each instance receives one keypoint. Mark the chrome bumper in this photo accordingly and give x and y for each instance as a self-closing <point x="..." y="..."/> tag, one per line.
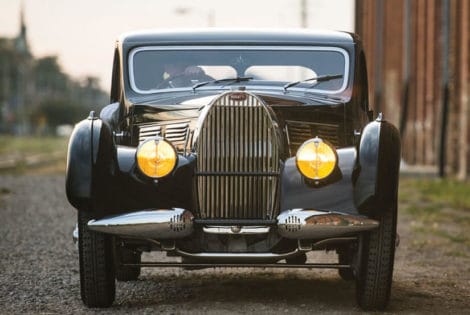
<point x="178" y="223"/>
<point x="153" y="224"/>
<point x="313" y="224"/>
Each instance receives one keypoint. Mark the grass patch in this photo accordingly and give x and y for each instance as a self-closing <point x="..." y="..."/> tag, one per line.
<point x="438" y="192"/>
<point x="439" y="210"/>
<point x="457" y="238"/>
<point x="31" y="145"/>
<point x="20" y="155"/>
<point x="448" y="191"/>
<point x="457" y="254"/>
<point x="431" y="209"/>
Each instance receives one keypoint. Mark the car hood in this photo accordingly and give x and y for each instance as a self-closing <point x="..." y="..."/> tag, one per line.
<point x="202" y="98"/>
<point x="189" y="105"/>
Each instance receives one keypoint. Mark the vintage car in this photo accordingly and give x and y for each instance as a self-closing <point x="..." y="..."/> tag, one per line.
<point x="236" y="148"/>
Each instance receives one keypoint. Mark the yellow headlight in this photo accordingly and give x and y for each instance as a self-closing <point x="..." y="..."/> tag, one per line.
<point x="156" y="158"/>
<point x="316" y="159"/>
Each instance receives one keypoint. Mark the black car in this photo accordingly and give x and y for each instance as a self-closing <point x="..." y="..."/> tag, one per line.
<point x="231" y="148"/>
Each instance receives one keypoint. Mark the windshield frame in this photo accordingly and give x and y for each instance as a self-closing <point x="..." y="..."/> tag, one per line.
<point x="136" y="50"/>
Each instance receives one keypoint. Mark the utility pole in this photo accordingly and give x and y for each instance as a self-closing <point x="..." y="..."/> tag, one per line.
<point x="303" y="13"/>
<point x="210" y="18"/>
<point x="379" y="55"/>
<point x="445" y="88"/>
<point x="463" y="56"/>
<point x="406" y="65"/>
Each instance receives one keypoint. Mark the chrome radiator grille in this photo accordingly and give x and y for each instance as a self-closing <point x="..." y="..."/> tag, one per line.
<point x="300" y="131"/>
<point x="238" y="161"/>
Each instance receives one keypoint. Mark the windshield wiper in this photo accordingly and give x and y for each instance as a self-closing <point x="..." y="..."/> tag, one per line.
<point x="321" y="78"/>
<point x="234" y="80"/>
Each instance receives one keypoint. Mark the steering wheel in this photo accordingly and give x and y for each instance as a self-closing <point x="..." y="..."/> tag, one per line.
<point x="180" y="80"/>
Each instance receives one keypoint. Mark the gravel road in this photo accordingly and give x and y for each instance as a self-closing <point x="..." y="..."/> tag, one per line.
<point x="39" y="271"/>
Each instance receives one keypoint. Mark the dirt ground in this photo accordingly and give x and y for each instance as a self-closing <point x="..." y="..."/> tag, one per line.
<point x="39" y="266"/>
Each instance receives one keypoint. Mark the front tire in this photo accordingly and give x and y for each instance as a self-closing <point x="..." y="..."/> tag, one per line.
<point x="97" y="284"/>
<point x="374" y="282"/>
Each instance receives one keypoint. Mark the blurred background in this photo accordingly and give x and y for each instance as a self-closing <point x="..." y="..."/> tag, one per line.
<point x="55" y="66"/>
<point x="55" y="61"/>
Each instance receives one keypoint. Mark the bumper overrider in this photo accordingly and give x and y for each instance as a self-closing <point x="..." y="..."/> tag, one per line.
<point x="179" y="223"/>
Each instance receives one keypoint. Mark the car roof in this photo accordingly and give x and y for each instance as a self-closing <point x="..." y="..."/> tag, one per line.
<point x="236" y="36"/>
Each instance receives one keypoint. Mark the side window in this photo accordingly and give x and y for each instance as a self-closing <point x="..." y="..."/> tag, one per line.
<point x="115" y="79"/>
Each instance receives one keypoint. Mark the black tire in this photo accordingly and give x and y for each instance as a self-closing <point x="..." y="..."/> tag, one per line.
<point x="126" y="273"/>
<point x="97" y="284"/>
<point x="374" y="282"/>
<point x="345" y="258"/>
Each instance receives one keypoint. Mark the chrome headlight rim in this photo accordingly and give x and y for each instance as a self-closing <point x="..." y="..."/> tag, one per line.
<point x="156" y="138"/>
<point x="333" y="149"/>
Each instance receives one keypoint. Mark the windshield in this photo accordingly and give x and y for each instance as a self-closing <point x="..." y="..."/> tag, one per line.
<point x="155" y="69"/>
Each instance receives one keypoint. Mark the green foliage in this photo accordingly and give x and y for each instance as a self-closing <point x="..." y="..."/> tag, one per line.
<point x="57" y="112"/>
<point x="49" y="75"/>
<point x="38" y="91"/>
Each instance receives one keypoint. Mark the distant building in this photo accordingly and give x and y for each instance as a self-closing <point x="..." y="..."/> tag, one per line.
<point x="16" y="64"/>
<point x="29" y="84"/>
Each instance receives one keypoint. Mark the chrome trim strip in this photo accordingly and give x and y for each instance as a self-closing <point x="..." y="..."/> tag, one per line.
<point x="234" y="257"/>
<point x="223" y="47"/>
<point x="237" y="230"/>
<point x="155" y="224"/>
<point x="241" y="265"/>
<point x="313" y="224"/>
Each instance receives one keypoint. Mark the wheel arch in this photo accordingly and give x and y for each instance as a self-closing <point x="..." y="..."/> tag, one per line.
<point x="378" y="167"/>
<point x="90" y="157"/>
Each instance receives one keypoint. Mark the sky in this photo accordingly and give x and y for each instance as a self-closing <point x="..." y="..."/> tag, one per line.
<point x="83" y="33"/>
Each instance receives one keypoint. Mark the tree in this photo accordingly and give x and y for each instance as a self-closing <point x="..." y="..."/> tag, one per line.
<point x="58" y="112"/>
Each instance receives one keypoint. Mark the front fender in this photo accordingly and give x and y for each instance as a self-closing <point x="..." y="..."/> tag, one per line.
<point x="332" y="196"/>
<point x="89" y="163"/>
<point x="379" y="155"/>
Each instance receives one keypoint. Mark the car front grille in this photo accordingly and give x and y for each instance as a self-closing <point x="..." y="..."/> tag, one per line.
<point x="238" y="161"/>
<point x="299" y="131"/>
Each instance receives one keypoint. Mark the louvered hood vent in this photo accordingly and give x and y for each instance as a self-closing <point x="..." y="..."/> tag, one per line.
<point x="175" y="132"/>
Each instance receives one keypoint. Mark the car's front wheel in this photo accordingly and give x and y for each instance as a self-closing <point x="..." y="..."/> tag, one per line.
<point x="97" y="284"/>
<point x="374" y="281"/>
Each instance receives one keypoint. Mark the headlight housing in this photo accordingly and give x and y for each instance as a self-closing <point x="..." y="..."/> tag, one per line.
<point x="156" y="157"/>
<point x="316" y="159"/>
